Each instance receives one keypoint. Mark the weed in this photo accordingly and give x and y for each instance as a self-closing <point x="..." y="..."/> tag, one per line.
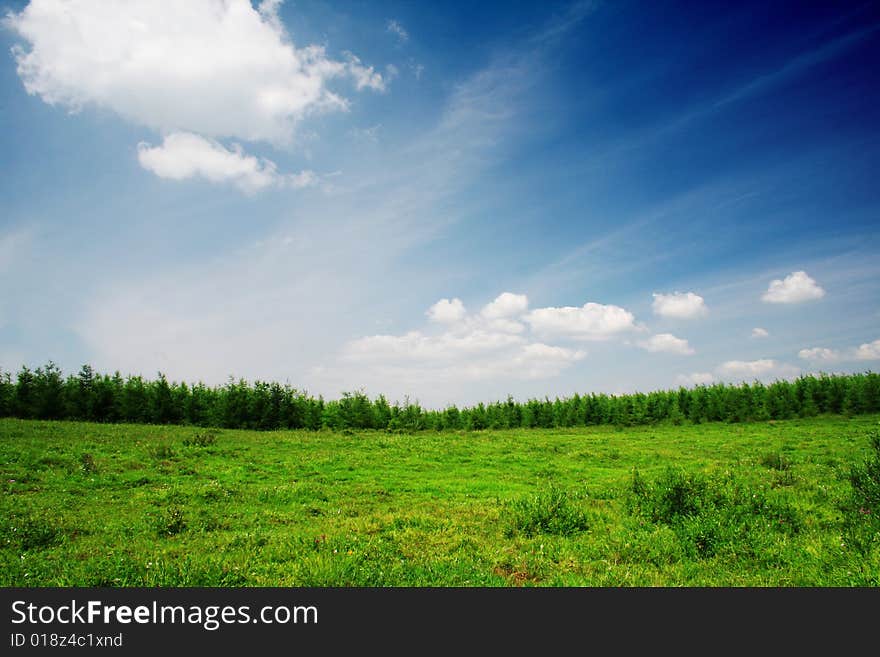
<point x="776" y="461"/>
<point x="169" y="521"/>
<point x="204" y="439"/>
<point x="28" y="531"/>
<point x="87" y="464"/>
<point x="160" y="451"/>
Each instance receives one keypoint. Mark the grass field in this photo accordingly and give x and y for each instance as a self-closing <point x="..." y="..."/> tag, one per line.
<point x="714" y="504"/>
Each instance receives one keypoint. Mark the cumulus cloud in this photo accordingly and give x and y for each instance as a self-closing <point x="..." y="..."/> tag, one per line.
<point x="760" y="332"/>
<point x="486" y="345"/>
<point x="869" y="351"/>
<point x="696" y="379"/>
<point x="505" y="325"/>
<point x="667" y="343"/>
<point x="214" y="69"/>
<point x="819" y="354"/>
<point x="592" y="321"/>
<point x="394" y="27"/>
<point x="797" y="287"/>
<point x="446" y="311"/>
<point x="866" y="351"/>
<point x="679" y="305"/>
<point x="184" y="155"/>
<point x="220" y="69"/>
<point x="505" y="305"/>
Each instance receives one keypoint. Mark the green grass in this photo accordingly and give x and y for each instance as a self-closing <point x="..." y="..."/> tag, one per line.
<point x="708" y="505"/>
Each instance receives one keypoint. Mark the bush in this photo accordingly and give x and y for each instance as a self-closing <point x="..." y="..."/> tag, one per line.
<point x="861" y="512"/>
<point x="709" y="515"/>
<point x="675" y="495"/>
<point x="550" y="512"/>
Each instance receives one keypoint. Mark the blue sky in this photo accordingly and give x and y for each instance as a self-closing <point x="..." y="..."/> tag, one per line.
<point x="451" y="201"/>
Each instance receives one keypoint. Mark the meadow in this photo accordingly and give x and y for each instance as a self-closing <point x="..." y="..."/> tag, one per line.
<point x="772" y="503"/>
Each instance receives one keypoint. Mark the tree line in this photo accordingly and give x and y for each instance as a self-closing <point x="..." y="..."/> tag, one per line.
<point x="45" y="393"/>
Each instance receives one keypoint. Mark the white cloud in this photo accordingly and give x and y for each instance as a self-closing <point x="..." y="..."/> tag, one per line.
<point x="747" y="368"/>
<point x="866" y="351"/>
<point x="869" y="351"/>
<point x="506" y="304"/>
<point x="763" y="369"/>
<point x="184" y="155"/>
<point x="668" y="343"/>
<point x="217" y="68"/>
<point x="364" y="76"/>
<point x="759" y="332"/>
<point x="819" y="354"/>
<point x="488" y="345"/>
<point x="696" y="379"/>
<point x="505" y="325"/>
<point x="475" y="355"/>
<point x="794" y="288"/>
<point x="446" y="311"/>
<point x="592" y="321"/>
<point x="680" y="305"/>
<point x="416" y="346"/>
<point x="394" y="27"/>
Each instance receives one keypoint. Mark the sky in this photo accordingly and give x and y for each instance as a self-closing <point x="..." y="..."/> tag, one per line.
<point x="446" y="201"/>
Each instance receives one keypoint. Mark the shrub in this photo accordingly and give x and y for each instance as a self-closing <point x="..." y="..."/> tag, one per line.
<point x="708" y="515"/>
<point x="675" y="495"/>
<point x="550" y="512"/>
<point x="861" y="511"/>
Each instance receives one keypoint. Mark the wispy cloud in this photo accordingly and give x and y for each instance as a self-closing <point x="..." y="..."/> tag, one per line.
<point x="394" y="27"/>
<point x="795" y="67"/>
<point x="13" y="243"/>
<point x="241" y="312"/>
